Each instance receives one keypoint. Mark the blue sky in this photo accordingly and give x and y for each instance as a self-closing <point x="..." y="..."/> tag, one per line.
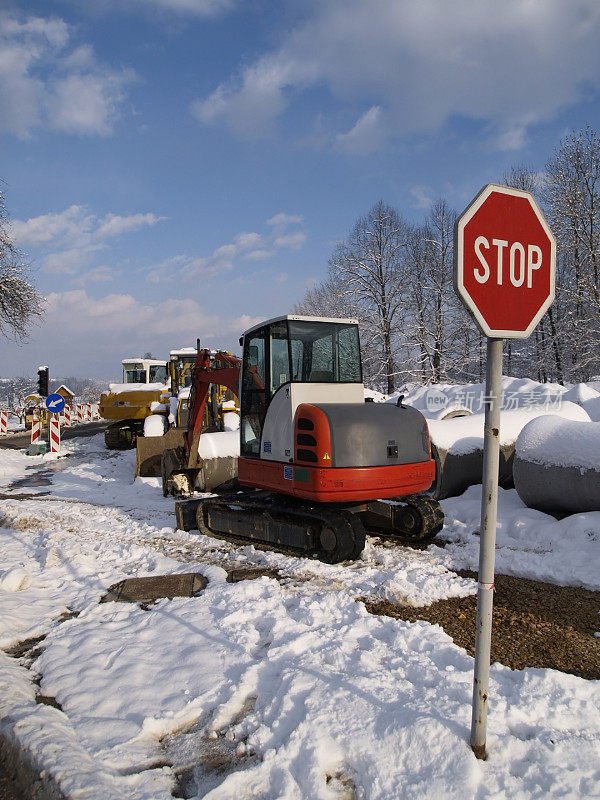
<point x="178" y="169"/>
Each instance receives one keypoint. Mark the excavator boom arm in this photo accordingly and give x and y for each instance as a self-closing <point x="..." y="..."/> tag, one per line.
<point x="203" y="375"/>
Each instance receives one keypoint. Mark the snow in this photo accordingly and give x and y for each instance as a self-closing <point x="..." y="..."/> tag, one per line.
<point x="118" y="388"/>
<point x="465" y="434"/>
<point x="225" y="443"/>
<point x="517" y="393"/>
<point x="552" y="440"/>
<point x="155" y="424"/>
<point x="290" y="687"/>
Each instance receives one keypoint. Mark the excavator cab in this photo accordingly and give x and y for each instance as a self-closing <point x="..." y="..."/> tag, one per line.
<point x="291" y="360"/>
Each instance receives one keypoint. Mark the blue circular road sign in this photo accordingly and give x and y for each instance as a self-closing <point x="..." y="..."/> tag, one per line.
<point x="55" y="403"/>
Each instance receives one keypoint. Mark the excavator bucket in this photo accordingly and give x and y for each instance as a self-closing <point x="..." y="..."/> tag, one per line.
<point x="149" y="450"/>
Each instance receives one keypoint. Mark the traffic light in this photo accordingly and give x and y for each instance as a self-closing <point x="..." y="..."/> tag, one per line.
<point x="43" y="376"/>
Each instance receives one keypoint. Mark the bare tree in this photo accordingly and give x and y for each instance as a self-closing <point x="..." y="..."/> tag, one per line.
<point x="440" y="335"/>
<point x="572" y="195"/>
<point x="20" y="302"/>
<point x="369" y="268"/>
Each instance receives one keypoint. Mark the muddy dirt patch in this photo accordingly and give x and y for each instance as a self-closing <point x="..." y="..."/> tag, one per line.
<point x="535" y="624"/>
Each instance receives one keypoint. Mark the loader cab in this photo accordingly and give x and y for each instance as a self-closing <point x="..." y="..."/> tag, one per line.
<point x="144" y="370"/>
<point x="181" y="364"/>
<point x="292" y="356"/>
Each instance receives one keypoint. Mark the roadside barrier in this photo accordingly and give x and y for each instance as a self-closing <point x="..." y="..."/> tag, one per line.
<point x="88" y="412"/>
<point x="79" y="413"/>
<point x="3" y="421"/>
<point x="54" y="433"/>
<point x="66" y="416"/>
<point x="36" y="426"/>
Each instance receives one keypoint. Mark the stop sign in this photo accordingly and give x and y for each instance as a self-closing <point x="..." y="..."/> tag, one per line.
<point x="505" y="261"/>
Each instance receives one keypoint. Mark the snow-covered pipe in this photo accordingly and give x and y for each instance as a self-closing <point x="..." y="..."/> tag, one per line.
<point x="457" y="446"/>
<point x="557" y="465"/>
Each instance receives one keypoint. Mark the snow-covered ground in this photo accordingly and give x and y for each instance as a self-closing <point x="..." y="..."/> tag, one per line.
<point x="274" y="689"/>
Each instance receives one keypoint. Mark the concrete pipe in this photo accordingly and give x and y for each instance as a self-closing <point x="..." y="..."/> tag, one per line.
<point x="457" y="447"/>
<point x="557" y="465"/>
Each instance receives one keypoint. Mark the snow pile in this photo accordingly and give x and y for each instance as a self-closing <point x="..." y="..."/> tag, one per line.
<point x="434" y="402"/>
<point x="119" y="388"/>
<point x="592" y="406"/>
<point x="529" y="543"/>
<point x="231" y="421"/>
<point x="221" y="443"/>
<point x="580" y="393"/>
<point x="562" y="443"/>
<point x="465" y="434"/>
<point x="155" y="425"/>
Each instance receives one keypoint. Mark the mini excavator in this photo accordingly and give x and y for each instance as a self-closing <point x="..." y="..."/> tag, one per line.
<point x="318" y="464"/>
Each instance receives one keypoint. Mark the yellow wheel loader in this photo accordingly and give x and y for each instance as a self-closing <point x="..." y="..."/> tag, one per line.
<point x="127" y="404"/>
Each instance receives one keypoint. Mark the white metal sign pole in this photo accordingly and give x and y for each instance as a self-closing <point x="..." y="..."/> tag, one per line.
<point x="487" y="545"/>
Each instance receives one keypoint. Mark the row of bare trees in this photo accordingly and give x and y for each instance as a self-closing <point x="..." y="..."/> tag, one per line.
<point x="396" y="278"/>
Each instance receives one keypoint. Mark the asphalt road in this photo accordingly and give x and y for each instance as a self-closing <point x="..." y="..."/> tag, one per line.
<point x="20" y="440"/>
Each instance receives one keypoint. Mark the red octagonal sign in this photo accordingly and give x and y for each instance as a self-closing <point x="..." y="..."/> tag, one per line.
<point x="505" y="262"/>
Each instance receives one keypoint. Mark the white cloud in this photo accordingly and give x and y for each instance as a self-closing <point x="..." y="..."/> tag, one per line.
<point x="416" y="65"/>
<point x="47" y="80"/>
<point x="70" y="262"/>
<point x="40" y="230"/>
<point x="180" y="8"/>
<point x="115" y="225"/>
<point x="291" y="241"/>
<point x="117" y="315"/>
<point x="251" y="105"/>
<point x="367" y="135"/>
<point x="422" y="195"/>
<point x="251" y="246"/>
<point x="114" y="326"/>
<point x="70" y="239"/>
<point x="282" y="220"/>
<point x="259" y="255"/>
<point x="196" y="8"/>
<point x="102" y="274"/>
<point x="248" y="241"/>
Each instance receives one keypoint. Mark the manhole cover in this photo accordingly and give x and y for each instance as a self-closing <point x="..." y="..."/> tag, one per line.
<point x="155" y="587"/>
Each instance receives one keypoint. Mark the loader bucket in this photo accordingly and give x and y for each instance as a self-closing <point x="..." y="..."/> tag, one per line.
<point x="149" y="450"/>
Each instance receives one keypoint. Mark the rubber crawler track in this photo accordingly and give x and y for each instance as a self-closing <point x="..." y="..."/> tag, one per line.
<point x="348" y="532"/>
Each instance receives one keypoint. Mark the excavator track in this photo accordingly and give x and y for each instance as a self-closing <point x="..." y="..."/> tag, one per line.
<point x="332" y="534"/>
<point x="262" y="519"/>
<point x="408" y="520"/>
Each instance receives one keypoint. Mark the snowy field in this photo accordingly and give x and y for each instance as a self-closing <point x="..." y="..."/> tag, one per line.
<point x="269" y="689"/>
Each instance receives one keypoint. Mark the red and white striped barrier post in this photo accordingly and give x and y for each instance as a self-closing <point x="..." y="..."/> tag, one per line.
<point x="3" y="421"/>
<point x="79" y="410"/>
<point x="36" y="427"/>
<point x="88" y="412"/>
<point x="66" y="416"/>
<point x="54" y="433"/>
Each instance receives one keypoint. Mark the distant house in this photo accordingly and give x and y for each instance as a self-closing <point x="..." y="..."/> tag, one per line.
<point x="65" y="392"/>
